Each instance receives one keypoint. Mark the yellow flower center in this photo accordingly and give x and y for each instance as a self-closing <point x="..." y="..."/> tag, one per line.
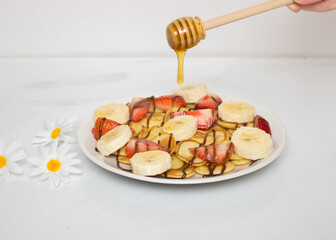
<point x="3" y="161"/>
<point x="55" y="133"/>
<point x="53" y="165"/>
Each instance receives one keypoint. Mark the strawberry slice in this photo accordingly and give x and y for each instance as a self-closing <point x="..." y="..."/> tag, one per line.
<point x="168" y="101"/>
<point x="136" y="145"/>
<point x="102" y="126"/>
<point x="261" y="123"/>
<point x="209" y="101"/>
<point x="218" y="154"/>
<point x="138" y="108"/>
<point x="206" y="118"/>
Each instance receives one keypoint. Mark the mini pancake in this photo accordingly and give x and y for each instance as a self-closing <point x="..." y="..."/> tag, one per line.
<point x="166" y="140"/>
<point x="217" y="169"/>
<point x="183" y="152"/>
<point x="151" y="133"/>
<point x="179" y="173"/>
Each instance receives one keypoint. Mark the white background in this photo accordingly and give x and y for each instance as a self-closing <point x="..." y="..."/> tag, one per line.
<point x="34" y="28"/>
<point x="292" y="198"/>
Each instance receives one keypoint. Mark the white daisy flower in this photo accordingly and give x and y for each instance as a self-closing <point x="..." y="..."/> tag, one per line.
<point x="55" y="131"/>
<point x="55" y="164"/>
<point x="8" y="159"/>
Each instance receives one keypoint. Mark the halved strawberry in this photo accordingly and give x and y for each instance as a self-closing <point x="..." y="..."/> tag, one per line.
<point x="136" y="145"/>
<point x="261" y="123"/>
<point x="218" y="154"/>
<point x="209" y="101"/>
<point x="138" y="108"/>
<point x="102" y="126"/>
<point x="206" y="118"/>
<point x="168" y="101"/>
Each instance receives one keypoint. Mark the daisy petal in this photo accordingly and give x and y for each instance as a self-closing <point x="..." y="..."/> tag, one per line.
<point x="41" y="141"/>
<point x="44" y="134"/>
<point x="69" y="121"/>
<point x="12" y="147"/>
<point x="18" y="156"/>
<point x="62" y="150"/>
<point x="14" y="167"/>
<point x="73" y="161"/>
<point x="67" y="139"/>
<point x="35" y="161"/>
<point x="50" y="181"/>
<point x="44" y="153"/>
<point x="67" y="129"/>
<point x="56" y="180"/>
<point x="36" y="171"/>
<point x="53" y="150"/>
<point x="72" y="169"/>
<point x="65" y="180"/>
<point x="69" y="156"/>
<point x="64" y="172"/>
<point x="45" y="176"/>
<point x="5" y="174"/>
<point x="61" y="120"/>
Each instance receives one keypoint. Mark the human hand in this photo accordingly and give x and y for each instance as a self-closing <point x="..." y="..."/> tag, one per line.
<point x="313" y="5"/>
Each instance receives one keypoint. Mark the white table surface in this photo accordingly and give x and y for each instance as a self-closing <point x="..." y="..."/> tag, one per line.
<point x="292" y="198"/>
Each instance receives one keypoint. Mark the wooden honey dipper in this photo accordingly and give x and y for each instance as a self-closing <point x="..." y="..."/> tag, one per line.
<point x="186" y="32"/>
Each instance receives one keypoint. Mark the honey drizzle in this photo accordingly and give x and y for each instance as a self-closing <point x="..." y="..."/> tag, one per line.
<point x="180" y="60"/>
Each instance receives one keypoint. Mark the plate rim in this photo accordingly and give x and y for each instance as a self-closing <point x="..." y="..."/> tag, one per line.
<point x="264" y="162"/>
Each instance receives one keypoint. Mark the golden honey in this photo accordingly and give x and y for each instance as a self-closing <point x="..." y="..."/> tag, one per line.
<point x="182" y="34"/>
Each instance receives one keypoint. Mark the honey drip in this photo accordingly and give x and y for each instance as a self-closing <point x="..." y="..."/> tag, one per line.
<point x="180" y="60"/>
<point x="183" y="34"/>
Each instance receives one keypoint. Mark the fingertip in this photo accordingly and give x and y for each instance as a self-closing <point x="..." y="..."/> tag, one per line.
<point x="294" y="7"/>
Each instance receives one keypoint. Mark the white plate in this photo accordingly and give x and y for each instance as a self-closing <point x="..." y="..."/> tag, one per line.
<point x="88" y="143"/>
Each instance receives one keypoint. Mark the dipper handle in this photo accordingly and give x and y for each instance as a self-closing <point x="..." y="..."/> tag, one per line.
<point x="244" y="13"/>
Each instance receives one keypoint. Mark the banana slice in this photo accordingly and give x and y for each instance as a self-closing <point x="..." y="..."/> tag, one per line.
<point x="114" y="139"/>
<point x="238" y="112"/>
<point x="115" y="111"/>
<point x="151" y="163"/>
<point x="252" y="143"/>
<point x="191" y="93"/>
<point x="182" y="127"/>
